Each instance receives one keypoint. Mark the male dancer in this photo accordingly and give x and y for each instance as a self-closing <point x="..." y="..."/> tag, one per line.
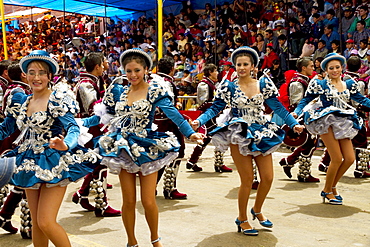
<point x="18" y="86"/>
<point x="296" y="89"/>
<point x="360" y="140"/>
<point x="88" y="92"/>
<point x="205" y="93"/>
<point x="166" y="71"/>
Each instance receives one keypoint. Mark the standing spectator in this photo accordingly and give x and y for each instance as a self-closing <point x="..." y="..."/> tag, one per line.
<point x="200" y="62"/>
<point x="226" y="12"/>
<point x="316" y="30"/>
<point x="276" y="73"/>
<point x="294" y="36"/>
<point x="283" y="52"/>
<point x="270" y="40"/>
<point x="220" y="48"/>
<point x="305" y="28"/>
<point x="347" y="21"/>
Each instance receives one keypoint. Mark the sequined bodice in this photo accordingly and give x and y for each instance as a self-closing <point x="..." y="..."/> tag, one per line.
<point x="134" y="118"/>
<point x="339" y="99"/>
<point x="250" y="109"/>
<point x="35" y="129"/>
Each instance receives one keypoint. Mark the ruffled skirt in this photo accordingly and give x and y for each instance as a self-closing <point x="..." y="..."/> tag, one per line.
<point x="52" y="167"/>
<point x="254" y="139"/>
<point x="124" y="161"/>
<point x="342" y="126"/>
<point x="138" y="154"/>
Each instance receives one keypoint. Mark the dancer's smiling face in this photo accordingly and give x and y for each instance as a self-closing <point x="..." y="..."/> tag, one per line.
<point x="334" y="69"/>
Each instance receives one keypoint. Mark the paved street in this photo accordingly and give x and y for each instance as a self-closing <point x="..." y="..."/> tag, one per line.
<point x="206" y="218"/>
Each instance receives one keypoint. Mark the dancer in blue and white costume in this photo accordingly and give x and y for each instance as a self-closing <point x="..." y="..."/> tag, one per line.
<point x="334" y="119"/>
<point x="46" y="161"/>
<point x="248" y="133"/>
<point x="132" y="146"/>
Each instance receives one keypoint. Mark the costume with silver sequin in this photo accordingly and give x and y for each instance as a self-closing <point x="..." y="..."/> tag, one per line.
<point x="131" y="144"/>
<point x="247" y="127"/>
<point x="36" y="162"/>
<point x="332" y="108"/>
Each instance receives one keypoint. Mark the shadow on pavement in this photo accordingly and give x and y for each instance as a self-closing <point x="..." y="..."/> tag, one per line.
<point x="325" y="210"/>
<point x="235" y="239"/>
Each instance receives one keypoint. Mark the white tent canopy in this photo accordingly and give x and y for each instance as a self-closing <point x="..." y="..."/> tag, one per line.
<point x="26" y="13"/>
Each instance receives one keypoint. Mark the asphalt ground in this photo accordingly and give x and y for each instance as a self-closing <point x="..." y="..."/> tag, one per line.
<point x="206" y="218"/>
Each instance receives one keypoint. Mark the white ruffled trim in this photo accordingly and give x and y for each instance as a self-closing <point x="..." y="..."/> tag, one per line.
<point x="342" y="127"/>
<point x="222" y="140"/>
<point x="124" y="161"/>
<point x="84" y="136"/>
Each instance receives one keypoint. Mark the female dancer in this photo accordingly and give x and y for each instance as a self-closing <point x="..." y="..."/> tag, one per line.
<point x="248" y="133"/>
<point x="132" y="148"/>
<point x="46" y="161"/>
<point x="333" y="119"/>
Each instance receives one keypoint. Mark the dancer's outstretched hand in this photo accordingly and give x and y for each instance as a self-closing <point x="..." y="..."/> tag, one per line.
<point x="58" y="143"/>
<point x="298" y="128"/>
<point x="197" y="137"/>
<point x="195" y="125"/>
<point x="294" y="114"/>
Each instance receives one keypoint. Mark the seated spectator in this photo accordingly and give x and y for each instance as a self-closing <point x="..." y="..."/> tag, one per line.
<point x="329" y="35"/>
<point x="330" y="19"/>
<point x="259" y="43"/>
<point x="321" y="51"/>
<point x="335" y="47"/>
<point x="277" y="74"/>
<point x="360" y="33"/>
<point x="209" y="57"/>
<point x="317" y="65"/>
<point x="363" y="49"/>
<point x="226" y="72"/>
<point x="350" y="44"/>
<point x="270" y="56"/>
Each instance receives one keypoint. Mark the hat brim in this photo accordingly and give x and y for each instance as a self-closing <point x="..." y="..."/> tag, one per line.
<point x="245" y="49"/>
<point x="25" y="61"/>
<point x="137" y="52"/>
<point x="331" y="57"/>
